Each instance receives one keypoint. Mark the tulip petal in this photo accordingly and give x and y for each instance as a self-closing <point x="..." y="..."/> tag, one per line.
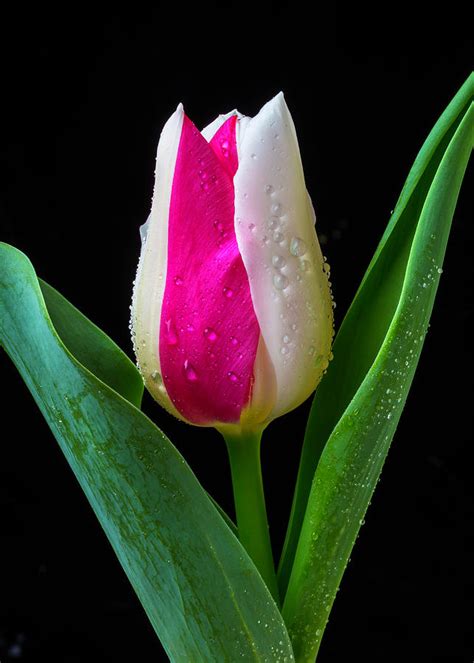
<point x="150" y="280"/>
<point x="274" y="224"/>
<point x="208" y="331"/>
<point x="211" y="129"/>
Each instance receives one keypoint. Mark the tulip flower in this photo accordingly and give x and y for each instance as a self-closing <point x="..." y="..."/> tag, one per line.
<point x="232" y="310"/>
<point x="232" y="314"/>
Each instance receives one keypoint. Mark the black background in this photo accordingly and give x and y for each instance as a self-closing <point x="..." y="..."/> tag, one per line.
<point x="84" y="98"/>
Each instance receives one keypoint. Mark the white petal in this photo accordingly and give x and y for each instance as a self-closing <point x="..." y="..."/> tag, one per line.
<point x="274" y="223"/>
<point x="212" y="128"/>
<point x="151" y="275"/>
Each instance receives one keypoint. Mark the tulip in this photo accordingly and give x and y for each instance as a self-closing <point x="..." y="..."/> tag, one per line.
<point x="232" y="311"/>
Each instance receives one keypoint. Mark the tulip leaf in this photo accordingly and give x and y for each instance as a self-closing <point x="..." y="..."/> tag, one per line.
<point x="91" y="347"/>
<point x="358" y="404"/>
<point x="201" y="591"/>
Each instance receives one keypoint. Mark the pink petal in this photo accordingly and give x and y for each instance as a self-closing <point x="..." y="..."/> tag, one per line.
<point x="224" y="145"/>
<point x="209" y="332"/>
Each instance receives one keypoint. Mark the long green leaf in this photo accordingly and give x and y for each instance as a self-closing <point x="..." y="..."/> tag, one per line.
<point x="357" y="406"/>
<point x="91" y="347"/>
<point x="198" y="586"/>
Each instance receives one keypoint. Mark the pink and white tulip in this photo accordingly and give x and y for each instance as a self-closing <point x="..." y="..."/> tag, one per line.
<point x="232" y="312"/>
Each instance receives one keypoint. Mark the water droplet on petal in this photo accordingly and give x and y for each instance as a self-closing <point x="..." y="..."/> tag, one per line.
<point x="210" y="334"/>
<point x="144" y="231"/>
<point x="233" y="340"/>
<point x="232" y="376"/>
<point x="178" y="280"/>
<point x="280" y="281"/>
<point x="253" y="156"/>
<point x="278" y="261"/>
<point x="189" y="371"/>
<point x="277" y="209"/>
<point x="286" y="338"/>
<point x="273" y="223"/>
<point x="156" y="377"/>
<point x="225" y="148"/>
<point x="284" y="350"/>
<point x="171" y="335"/>
<point x="228" y="292"/>
<point x="297" y="247"/>
<point x="278" y="237"/>
<point x="269" y="189"/>
<point x="304" y="265"/>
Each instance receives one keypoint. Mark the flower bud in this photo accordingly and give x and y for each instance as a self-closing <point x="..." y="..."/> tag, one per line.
<point x="232" y="313"/>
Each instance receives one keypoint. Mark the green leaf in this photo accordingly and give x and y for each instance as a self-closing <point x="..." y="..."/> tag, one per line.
<point x="358" y="405"/>
<point x="198" y="586"/>
<point x="92" y="348"/>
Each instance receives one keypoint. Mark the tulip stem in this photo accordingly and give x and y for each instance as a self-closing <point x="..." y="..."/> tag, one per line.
<point x="249" y="499"/>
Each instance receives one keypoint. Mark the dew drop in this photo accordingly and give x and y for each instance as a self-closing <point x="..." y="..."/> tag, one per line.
<point x="225" y="148"/>
<point x="277" y="209"/>
<point x="144" y="231"/>
<point x="210" y="334"/>
<point x="286" y="338"/>
<point x="278" y="237"/>
<point x="233" y="340"/>
<point x="278" y="262"/>
<point x="284" y="350"/>
<point x="304" y="265"/>
<point x="178" y="280"/>
<point x="232" y="376"/>
<point x="253" y="155"/>
<point x="297" y="247"/>
<point x="156" y="377"/>
<point x="269" y="189"/>
<point x="280" y="281"/>
<point x="228" y="292"/>
<point x="171" y="335"/>
<point x="189" y="371"/>
<point x="273" y="223"/>
<point x="251" y="227"/>
<point x="294" y="326"/>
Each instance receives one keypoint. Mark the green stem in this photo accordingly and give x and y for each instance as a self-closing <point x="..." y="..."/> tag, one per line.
<point x="252" y="523"/>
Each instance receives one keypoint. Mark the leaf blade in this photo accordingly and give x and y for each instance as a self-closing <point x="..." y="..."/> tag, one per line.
<point x="200" y="590"/>
<point x="362" y="426"/>
<point x="91" y="347"/>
